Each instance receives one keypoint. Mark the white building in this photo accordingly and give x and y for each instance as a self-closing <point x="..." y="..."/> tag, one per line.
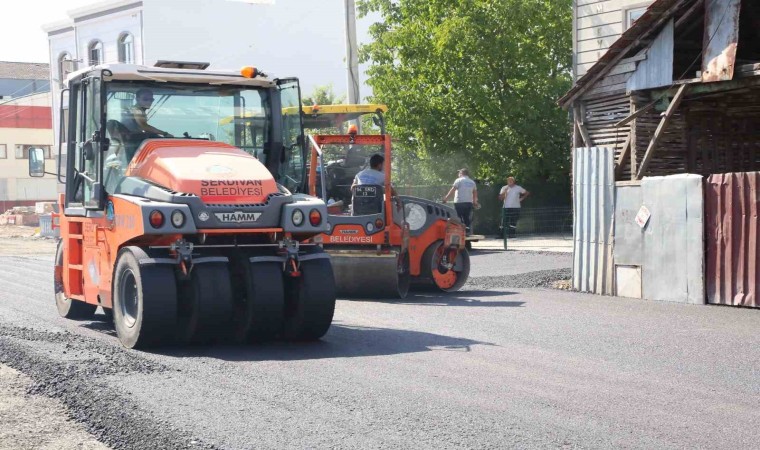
<point x="599" y="23"/>
<point x="285" y="38"/>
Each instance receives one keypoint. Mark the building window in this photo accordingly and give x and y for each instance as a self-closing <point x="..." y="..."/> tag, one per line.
<point x="633" y="14"/>
<point x="22" y="151"/>
<point x="96" y="53"/>
<point x="65" y="66"/>
<point x="126" y="49"/>
<point x="3" y="151"/>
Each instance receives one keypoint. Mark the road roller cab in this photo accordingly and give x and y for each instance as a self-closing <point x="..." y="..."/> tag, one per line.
<point x="379" y="245"/>
<point x="191" y="228"/>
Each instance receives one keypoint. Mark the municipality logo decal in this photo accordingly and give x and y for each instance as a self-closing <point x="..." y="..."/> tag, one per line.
<point x="238" y="217"/>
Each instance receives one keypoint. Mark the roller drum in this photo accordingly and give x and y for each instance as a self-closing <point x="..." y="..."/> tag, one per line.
<point x="365" y="274"/>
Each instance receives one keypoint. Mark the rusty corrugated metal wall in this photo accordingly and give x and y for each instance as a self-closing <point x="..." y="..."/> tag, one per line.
<point x="732" y="202"/>
<point x="593" y="213"/>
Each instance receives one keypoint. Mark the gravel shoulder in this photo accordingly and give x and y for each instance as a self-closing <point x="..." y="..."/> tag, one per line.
<point x="20" y="241"/>
<point x="36" y="421"/>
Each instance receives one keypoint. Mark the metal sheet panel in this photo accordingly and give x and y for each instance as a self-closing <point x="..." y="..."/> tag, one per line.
<point x="732" y="202"/>
<point x="673" y="244"/>
<point x="629" y="236"/>
<point x="593" y="206"/>
<point x="721" y="38"/>
<point x="657" y="69"/>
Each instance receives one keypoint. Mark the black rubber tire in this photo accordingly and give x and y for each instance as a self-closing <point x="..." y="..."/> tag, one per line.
<point x="309" y="301"/>
<point x="462" y="267"/>
<point x="144" y="301"/>
<point x="68" y="308"/>
<point x="205" y="304"/>
<point x="259" y="311"/>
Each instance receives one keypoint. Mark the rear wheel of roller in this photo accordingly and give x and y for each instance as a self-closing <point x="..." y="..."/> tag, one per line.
<point x="260" y="307"/>
<point x="205" y="304"/>
<point x="309" y="301"/>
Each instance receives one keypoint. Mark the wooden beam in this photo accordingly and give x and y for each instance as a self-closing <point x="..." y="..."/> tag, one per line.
<point x="635" y="115"/>
<point x="581" y="128"/>
<point x="623" y="155"/>
<point x="660" y="130"/>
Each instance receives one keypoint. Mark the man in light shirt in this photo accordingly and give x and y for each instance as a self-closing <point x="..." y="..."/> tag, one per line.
<point x="512" y="195"/>
<point x="374" y="175"/>
<point x="465" y="196"/>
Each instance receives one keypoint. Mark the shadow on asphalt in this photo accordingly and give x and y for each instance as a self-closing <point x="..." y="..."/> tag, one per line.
<point x="342" y="341"/>
<point x="459" y="298"/>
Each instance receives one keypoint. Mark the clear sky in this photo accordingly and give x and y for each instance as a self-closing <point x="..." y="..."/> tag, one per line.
<point x="21" y="34"/>
<point x="22" y="38"/>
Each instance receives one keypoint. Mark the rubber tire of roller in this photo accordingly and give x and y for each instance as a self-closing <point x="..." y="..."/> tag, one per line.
<point x="205" y="304"/>
<point x="259" y="315"/>
<point x="68" y="308"/>
<point x="309" y="301"/>
<point x="156" y="292"/>
<point x="427" y="267"/>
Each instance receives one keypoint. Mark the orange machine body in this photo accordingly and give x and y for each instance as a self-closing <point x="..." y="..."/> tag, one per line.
<point x="225" y="175"/>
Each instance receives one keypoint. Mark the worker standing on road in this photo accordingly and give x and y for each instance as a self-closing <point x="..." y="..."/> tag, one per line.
<point x="465" y="196"/>
<point x="512" y="195"/>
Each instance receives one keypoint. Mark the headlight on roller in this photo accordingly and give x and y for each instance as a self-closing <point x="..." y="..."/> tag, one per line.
<point x="178" y="218"/>
<point x="297" y="217"/>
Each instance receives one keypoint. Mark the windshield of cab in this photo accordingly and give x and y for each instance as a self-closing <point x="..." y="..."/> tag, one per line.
<point x="236" y="115"/>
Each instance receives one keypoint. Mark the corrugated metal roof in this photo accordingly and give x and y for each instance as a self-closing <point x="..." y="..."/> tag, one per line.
<point x="24" y="71"/>
<point x="649" y="23"/>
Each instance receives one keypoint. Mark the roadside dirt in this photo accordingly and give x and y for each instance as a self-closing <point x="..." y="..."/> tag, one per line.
<point x="20" y="241"/>
<point x="35" y="421"/>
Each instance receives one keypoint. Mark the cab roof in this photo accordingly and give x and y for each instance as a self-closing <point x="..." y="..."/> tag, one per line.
<point x="134" y="72"/>
<point x="325" y="116"/>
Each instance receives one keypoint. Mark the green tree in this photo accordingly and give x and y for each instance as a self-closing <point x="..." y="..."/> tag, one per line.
<point x="473" y="83"/>
<point x="323" y="95"/>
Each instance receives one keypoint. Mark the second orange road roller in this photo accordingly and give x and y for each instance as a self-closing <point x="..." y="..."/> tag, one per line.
<point x="380" y="244"/>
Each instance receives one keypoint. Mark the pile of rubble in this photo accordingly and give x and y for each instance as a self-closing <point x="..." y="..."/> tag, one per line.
<point x="20" y="215"/>
<point x="26" y="215"/>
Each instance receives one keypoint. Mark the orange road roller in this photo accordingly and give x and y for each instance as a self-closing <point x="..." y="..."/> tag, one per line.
<point x="380" y="244"/>
<point x="185" y="214"/>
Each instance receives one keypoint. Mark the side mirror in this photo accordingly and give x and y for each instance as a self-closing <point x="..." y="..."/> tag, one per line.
<point x="36" y="162"/>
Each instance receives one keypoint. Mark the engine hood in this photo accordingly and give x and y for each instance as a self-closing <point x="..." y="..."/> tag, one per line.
<point x="216" y="172"/>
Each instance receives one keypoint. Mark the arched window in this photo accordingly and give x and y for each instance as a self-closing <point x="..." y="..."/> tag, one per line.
<point x="65" y="66"/>
<point x="95" y="51"/>
<point x="126" y="48"/>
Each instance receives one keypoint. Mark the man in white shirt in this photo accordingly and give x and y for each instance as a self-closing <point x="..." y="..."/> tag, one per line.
<point x="512" y="195"/>
<point x="465" y="196"/>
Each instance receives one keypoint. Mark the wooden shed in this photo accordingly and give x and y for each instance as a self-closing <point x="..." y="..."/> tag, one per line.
<point x="667" y="157"/>
<point x="679" y="92"/>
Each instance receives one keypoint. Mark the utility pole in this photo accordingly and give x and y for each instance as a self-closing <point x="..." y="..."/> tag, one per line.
<point x="352" y="55"/>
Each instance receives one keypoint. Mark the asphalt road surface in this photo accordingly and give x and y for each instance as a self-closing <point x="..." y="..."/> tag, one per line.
<point x="493" y="366"/>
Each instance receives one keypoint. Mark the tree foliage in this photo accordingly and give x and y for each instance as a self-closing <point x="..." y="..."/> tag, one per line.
<point x="323" y="95"/>
<point x="474" y="83"/>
